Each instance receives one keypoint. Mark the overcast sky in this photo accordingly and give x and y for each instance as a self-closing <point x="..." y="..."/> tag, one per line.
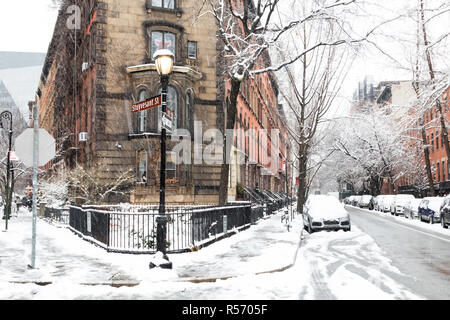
<point x="26" y="25"/>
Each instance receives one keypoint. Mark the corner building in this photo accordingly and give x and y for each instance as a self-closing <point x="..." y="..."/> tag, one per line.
<point x="93" y="75"/>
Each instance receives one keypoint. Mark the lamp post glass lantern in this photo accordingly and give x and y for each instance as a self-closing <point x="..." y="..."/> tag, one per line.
<point x="164" y="64"/>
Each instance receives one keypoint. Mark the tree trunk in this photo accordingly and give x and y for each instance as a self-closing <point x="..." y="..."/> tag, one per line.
<point x="302" y="187"/>
<point x="231" y="109"/>
<point x="426" y="153"/>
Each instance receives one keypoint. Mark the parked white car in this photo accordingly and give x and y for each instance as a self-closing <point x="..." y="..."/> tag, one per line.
<point x="356" y="200"/>
<point x="364" y="202"/>
<point x="412" y="209"/>
<point x="377" y="202"/>
<point x="386" y="202"/>
<point x="399" y="203"/>
<point x="323" y="212"/>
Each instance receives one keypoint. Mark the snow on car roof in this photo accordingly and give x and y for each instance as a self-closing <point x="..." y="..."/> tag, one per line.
<point x="409" y="196"/>
<point x="322" y="206"/>
<point x="434" y="202"/>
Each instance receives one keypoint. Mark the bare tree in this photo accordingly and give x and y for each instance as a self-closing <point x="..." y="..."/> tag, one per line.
<point x="247" y="30"/>
<point x="309" y="92"/>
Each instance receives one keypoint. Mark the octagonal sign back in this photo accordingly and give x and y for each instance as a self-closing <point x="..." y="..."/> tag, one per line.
<point x="24" y="147"/>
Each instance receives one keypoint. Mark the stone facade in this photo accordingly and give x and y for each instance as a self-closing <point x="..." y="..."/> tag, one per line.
<point x="114" y="69"/>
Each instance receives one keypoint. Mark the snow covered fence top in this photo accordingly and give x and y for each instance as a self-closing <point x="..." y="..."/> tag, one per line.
<point x="154" y="209"/>
<point x="135" y="231"/>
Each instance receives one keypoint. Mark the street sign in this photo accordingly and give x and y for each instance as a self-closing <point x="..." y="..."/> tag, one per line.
<point x="170" y="114"/>
<point x="24" y="147"/>
<point x="147" y="104"/>
<point x="166" y="122"/>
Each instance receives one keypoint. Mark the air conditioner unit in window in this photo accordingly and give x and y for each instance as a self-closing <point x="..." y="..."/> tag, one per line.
<point x="84" y="66"/>
<point x="83" y="136"/>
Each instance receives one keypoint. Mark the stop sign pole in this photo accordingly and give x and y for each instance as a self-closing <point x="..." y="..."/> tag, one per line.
<point x="35" y="182"/>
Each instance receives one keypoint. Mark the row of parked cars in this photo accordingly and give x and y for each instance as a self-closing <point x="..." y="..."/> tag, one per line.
<point x="429" y="209"/>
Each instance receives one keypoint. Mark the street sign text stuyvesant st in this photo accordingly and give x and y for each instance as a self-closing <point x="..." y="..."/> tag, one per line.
<point x="147" y="104"/>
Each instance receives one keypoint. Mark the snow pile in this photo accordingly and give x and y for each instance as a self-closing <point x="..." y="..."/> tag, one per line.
<point x="253" y="264"/>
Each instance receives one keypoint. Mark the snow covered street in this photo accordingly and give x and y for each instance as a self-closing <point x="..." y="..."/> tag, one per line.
<point x="254" y="264"/>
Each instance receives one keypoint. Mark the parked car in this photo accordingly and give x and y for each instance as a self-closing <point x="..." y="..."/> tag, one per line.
<point x="386" y="202"/>
<point x="348" y="200"/>
<point x="323" y="212"/>
<point x="399" y="202"/>
<point x="364" y="202"/>
<point x="429" y="209"/>
<point x="377" y="201"/>
<point x="445" y="213"/>
<point x="412" y="209"/>
<point x="356" y="200"/>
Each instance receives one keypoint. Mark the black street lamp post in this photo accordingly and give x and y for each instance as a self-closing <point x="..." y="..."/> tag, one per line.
<point x="164" y="64"/>
<point x="7" y="115"/>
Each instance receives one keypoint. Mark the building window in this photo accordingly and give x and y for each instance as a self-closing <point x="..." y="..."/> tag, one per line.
<point x="432" y="142"/>
<point x="168" y="4"/>
<point x="163" y="40"/>
<point x="192" y="50"/>
<point x="188" y="111"/>
<point x="142" y="115"/>
<point x="93" y="46"/>
<point x="438" y="172"/>
<point x="171" y="167"/>
<point x="142" y="167"/>
<point x="443" y="170"/>
<point x="437" y="140"/>
<point x="172" y="104"/>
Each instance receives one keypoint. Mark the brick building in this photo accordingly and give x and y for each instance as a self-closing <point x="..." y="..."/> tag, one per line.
<point x="89" y="88"/>
<point x="399" y="93"/>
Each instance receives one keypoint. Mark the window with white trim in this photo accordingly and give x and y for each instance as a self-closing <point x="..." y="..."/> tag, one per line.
<point x="192" y="50"/>
<point x="142" y="167"/>
<point x="163" y="40"/>
<point x="167" y="4"/>
<point x="142" y="115"/>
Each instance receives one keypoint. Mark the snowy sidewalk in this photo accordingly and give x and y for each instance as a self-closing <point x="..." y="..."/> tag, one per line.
<point x="64" y="259"/>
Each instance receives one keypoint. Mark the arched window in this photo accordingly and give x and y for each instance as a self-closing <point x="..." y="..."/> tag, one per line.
<point x="142" y="115"/>
<point x="142" y="167"/>
<point x="172" y="103"/>
<point x="188" y="111"/>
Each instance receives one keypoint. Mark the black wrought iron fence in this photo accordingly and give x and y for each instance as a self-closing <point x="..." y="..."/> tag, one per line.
<point x="133" y="229"/>
<point x="57" y="214"/>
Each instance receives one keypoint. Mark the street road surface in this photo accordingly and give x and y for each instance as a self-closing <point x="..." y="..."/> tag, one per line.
<point x="421" y="255"/>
